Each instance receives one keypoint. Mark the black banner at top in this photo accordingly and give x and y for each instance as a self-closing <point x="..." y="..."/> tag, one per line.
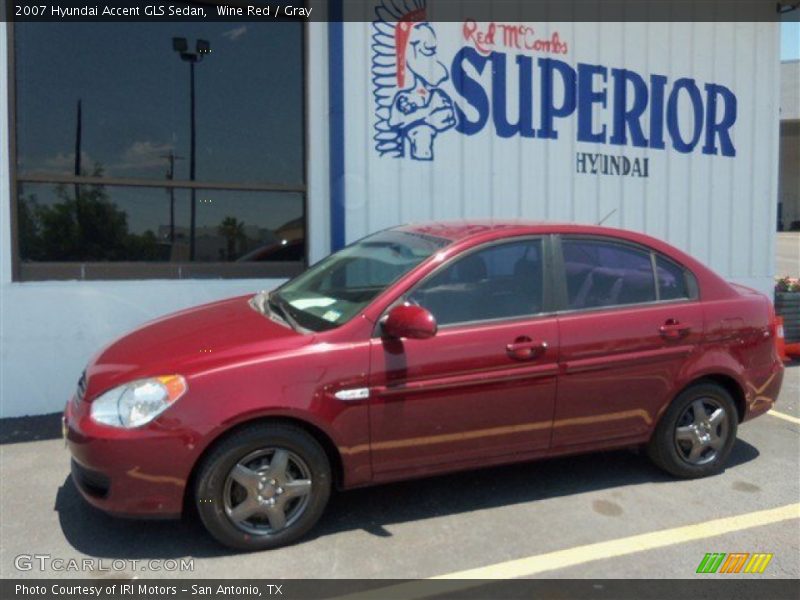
<point x="436" y="10"/>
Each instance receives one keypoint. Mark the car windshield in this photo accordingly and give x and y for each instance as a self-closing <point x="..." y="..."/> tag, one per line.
<point x="334" y="290"/>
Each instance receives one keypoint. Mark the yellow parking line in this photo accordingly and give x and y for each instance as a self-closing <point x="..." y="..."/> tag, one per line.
<point x="784" y="416"/>
<point x="569" y="557"/>
<point x="532" y="565"/>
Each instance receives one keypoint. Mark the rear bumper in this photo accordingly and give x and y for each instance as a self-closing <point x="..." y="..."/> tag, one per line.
<point x="131" y="473"/>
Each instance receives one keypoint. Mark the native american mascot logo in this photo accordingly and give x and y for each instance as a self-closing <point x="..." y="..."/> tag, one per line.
<point x="410" y="108"/>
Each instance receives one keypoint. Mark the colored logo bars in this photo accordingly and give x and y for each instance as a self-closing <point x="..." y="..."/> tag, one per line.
<point x="736" y="562"/>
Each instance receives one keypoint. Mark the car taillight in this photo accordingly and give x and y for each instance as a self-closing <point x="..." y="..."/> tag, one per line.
<point x="780" y="341"/>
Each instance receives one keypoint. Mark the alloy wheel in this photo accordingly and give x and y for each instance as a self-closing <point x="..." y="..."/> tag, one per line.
<point x="701" y="431"/>
<point x="267" y="491"/>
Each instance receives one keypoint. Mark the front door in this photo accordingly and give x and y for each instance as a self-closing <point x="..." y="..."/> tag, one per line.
<point x="485" y="385"/>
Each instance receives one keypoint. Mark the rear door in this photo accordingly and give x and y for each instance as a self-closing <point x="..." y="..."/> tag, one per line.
<point x="631" y="321"/>
<point x="484" y="386"/>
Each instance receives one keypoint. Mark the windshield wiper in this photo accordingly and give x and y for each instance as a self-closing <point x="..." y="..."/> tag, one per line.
<point x="278" y="306"/>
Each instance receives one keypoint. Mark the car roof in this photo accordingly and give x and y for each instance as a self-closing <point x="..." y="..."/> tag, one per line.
<point x="457" y="231"/>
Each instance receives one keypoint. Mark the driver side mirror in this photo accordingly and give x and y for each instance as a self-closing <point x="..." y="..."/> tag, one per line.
<point x="409" y="321"/>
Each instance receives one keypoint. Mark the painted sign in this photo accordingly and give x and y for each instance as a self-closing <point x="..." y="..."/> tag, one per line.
<point x="420" y="94"/>
<point x="411" y="108"/>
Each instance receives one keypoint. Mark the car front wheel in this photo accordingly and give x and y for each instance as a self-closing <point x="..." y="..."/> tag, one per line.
<point x="696" y="434"/>
<point x="263" y="486"/>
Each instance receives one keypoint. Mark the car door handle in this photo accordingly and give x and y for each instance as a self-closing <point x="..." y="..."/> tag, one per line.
<point x="524" y="348"/>
<point x="673" y="330"/>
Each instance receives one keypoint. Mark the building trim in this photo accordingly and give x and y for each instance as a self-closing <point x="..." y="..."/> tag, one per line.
<point x="161" y="183"/>
<point x="336" y="92"/>
<point x="12" y="146"/>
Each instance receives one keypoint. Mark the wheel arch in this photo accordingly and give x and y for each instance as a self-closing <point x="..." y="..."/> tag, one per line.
<point x="723" y="380"/>
<point x="730" y="385"/>
<point x="324" y="440"/>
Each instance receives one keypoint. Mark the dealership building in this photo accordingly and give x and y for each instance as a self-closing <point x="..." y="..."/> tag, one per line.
<point x="149" y="167"/>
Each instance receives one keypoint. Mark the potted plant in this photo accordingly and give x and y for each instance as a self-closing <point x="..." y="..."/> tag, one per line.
<point x="787" y="305"/>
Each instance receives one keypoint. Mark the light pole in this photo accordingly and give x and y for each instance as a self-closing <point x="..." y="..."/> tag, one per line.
<point x="171" y="176"/>
<point x="202" y="47"/>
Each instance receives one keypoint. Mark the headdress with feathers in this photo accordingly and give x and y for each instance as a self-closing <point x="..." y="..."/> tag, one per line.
<point x="391" y="30"/>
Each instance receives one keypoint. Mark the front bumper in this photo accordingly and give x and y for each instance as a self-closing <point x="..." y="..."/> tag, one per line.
<point x="139" y="472"/>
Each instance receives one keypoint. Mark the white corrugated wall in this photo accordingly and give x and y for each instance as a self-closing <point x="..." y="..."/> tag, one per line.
<point x="720" y="209"/>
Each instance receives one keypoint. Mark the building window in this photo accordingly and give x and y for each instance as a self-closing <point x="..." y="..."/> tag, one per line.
<point x="163" y="150"/>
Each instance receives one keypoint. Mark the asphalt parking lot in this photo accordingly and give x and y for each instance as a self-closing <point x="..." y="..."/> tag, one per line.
<point x="535" y="519"/>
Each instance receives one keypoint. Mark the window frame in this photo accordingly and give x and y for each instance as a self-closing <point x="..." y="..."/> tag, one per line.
<point x="562" y="294"/>
<point x="142" y="270"/>
<point x="549" y="297"/>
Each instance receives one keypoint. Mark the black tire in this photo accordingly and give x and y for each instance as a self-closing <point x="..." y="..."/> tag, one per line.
<point x="216" y="482"/>
<point x="673" y="455"/>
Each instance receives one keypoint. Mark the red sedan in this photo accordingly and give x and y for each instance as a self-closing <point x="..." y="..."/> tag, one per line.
<point x="418" y="350"/>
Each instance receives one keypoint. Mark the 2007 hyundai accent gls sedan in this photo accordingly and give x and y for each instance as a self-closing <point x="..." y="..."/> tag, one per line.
<point x="419" y="350"/>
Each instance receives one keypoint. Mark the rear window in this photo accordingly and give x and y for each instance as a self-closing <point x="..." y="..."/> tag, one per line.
<point x="604" y="273"/>
<point x="671" y="280"/>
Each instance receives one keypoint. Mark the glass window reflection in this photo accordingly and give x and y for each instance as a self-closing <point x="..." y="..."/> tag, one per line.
<point x="215" y="111"/>
<point x="134" y="94"/>
<point x="134" y="224"/>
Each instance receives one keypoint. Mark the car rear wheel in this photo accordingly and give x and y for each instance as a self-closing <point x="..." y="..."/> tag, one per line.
<point x="696" y="434"/>
<point x="263" y="486"/>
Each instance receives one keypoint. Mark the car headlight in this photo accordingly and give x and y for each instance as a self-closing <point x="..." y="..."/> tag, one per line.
<point x="138" y="402"/>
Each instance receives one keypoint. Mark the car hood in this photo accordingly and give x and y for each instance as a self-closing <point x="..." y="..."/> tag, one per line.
<point x="190" y="342"/>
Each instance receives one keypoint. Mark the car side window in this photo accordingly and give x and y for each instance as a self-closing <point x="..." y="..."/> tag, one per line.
<point x="671" y="280"/>
<point x="600" y="273"/>
<point x="501" y="281"/>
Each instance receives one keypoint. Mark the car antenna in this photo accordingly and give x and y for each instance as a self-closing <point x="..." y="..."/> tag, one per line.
<point x="604" y="219"/>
